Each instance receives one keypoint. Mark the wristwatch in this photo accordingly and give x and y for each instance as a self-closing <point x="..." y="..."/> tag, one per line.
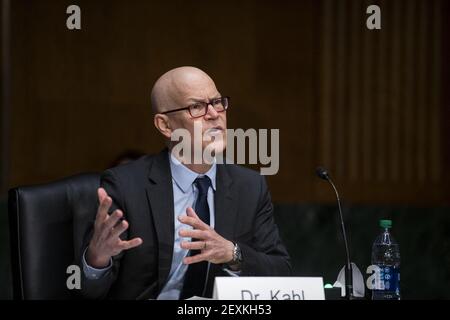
<point x="237" y="255"/>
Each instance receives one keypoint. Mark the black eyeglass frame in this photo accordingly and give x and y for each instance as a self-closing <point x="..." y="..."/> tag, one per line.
<point x="206" y="105"/>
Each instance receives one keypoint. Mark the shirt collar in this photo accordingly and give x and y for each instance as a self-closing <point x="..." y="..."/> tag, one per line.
<point x="185" y="177"/>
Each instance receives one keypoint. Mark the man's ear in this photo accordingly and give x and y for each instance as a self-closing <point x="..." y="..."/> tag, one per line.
<point x="161" y="123"/>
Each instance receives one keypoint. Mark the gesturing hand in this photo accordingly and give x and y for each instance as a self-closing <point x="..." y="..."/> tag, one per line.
<point x="105" y="242"/>
<point x="214" y="248"/>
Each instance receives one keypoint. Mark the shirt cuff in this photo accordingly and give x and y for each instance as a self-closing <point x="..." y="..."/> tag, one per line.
<point x="92" y="273"/>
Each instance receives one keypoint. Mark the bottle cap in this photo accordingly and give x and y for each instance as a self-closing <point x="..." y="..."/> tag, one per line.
<point x="386" y="223"/>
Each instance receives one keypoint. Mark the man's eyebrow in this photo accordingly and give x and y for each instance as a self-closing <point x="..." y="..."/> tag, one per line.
<point x="203" y="100"/>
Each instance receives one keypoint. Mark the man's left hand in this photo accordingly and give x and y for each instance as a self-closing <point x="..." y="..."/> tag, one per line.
<point x="214" y="248"/>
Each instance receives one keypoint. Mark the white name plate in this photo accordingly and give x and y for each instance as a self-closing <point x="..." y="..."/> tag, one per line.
<point x="269" y="288"/>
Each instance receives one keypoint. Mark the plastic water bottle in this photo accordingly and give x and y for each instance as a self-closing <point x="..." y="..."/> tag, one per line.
<point x="386" y="257"/>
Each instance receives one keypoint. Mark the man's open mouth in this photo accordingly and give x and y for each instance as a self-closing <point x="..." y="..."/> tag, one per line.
<point x="214" y="131"/>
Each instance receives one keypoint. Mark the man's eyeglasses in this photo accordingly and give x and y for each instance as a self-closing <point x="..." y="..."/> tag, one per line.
<point x="199" y="109"/>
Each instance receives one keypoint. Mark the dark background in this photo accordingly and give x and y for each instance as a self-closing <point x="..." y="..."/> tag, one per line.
<point x="372" y="106"/>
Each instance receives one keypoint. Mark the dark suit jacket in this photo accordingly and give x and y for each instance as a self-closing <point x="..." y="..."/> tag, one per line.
<point x="142" y="189"/>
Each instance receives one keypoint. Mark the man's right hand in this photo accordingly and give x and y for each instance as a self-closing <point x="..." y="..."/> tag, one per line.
<point x="105" y="242"/>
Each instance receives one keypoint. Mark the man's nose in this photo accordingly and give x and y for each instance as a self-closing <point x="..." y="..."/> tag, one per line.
<point x="211" y="113"/>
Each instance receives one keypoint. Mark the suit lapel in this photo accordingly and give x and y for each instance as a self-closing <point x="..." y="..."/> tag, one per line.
<point x="160" y="197"/>
<point x="225" y="201"/>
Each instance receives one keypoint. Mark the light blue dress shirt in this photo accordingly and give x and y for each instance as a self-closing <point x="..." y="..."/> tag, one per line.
<point x="184" y="194"/>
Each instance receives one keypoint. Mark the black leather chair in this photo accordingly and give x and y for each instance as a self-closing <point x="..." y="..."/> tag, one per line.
<point x="47" y="225"/>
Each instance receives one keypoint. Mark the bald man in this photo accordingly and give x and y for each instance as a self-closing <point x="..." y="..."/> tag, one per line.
<point x="166" y="226"/>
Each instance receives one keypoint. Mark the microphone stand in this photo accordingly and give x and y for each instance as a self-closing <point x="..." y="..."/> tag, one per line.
<point x="348" y="267"/>
<point x="323" y="174"/>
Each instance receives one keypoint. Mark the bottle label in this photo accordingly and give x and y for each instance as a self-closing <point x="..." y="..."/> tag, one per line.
<point x="387" y="278"/>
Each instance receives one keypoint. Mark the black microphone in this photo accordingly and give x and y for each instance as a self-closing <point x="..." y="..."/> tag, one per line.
<point x="323" y="174"/>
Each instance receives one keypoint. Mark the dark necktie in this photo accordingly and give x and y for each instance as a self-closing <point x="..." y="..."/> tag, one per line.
<point x="195" y="277"/>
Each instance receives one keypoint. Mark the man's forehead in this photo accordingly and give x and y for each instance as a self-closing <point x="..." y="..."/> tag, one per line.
<point x="197" y="92"/>
<point x="193" y="84"/>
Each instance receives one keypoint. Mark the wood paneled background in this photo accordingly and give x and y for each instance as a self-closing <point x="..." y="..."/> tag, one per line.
<point x="381" y="107"/>
<point x="369" y="105"/>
